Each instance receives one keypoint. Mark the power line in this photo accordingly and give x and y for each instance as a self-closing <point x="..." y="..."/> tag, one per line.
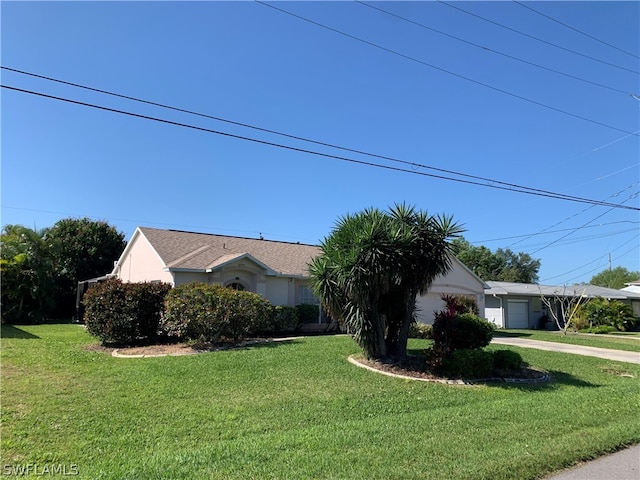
<point x="578" y="213"/>
<point x="577" y="228"/>
<point x="497" y="52"/>
<point x="575" y="29"/>
<point x="286" y="135"/>
<point x="554" y="195"/>
<point x="537" y="38"/>
<point x="594" y="261"/>
<point x="413" y="59"/>
<point x="546" y="232"/>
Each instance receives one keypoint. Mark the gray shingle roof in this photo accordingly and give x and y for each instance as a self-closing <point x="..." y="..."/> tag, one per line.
<point x="530" y="289"/>
<point x="201" y="251"/>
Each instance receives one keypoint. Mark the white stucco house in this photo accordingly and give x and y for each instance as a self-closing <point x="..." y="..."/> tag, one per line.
<point x="276" y="270"/>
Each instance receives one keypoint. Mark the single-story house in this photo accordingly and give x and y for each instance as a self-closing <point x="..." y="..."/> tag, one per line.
<point x="519" y="305"/>
<point x="632" y="287"/>
<point x="276" y="270"/>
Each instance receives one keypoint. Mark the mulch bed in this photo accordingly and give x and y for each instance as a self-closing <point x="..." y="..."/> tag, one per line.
<point x="415" y="367"/>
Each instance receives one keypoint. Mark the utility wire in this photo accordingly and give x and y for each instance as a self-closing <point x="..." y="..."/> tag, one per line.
<point x="413" y="59"/>
<point x="537" y="38"/>
<point x="546" y="232"/>
<point x="325" y="144"/>
<point x="558" y="196"/>
<point x="594" y="261"/>
<point x="577" y="228"/>
<point x="575" y="29"/>
<point x="482" y="47"/>
<point x="576" y="214"/>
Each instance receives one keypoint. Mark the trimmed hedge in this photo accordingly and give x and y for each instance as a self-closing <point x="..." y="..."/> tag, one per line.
<point x="507" y="359"/>
<point x="124" y="313"/>
<point x="283" y="319"/>
<point x="468" y="363"/>
<point x="463" y="331"/>
<point x="307" y="313"/>
<point x="213" y="313"/>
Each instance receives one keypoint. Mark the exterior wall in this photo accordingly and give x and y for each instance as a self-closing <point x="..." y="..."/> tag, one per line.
<point x="493" y="311"/>
<point x="180" y="278"/>
<point x="142" y="264"/>
<point x="497" y="310"/>
<point x="279" y="291"/>
<point x="459" y="281"/>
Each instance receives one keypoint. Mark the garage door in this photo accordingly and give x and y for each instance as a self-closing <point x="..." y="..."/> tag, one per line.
<point x="517" y="314"/>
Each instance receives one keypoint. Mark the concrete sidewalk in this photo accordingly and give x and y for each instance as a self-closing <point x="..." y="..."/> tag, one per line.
<point x="618" y="355"/>
<point x="622" y="465"/>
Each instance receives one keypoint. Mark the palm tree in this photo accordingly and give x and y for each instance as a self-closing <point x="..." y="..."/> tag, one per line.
<point x="372" y="267"/>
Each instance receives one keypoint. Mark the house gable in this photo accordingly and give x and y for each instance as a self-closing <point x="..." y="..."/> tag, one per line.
<point x="140" y="262"/>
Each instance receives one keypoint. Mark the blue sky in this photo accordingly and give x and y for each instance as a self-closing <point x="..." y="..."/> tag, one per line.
<point x="384" y="85"/>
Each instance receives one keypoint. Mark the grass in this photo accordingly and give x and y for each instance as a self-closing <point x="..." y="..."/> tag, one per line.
<point x="297" y="410"/>
<point x="629" y="341"/>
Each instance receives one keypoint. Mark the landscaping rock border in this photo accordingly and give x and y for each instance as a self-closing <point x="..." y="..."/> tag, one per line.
<point x="544" y="376"/>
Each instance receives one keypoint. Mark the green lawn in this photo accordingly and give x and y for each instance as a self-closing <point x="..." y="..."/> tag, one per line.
<point x="297" y="410"/>
<point x="622" y="341"/>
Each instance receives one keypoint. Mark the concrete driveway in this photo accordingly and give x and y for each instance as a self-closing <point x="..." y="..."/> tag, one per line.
<point x="618" y="355"/>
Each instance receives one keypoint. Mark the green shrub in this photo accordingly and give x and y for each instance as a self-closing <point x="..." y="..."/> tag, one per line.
<point x="507" y="359"/>
<point x="124" y="313"/>
<point x="602" y="311"/>
<point x="308" y="313"/>
<point x="283" y="319"/>
<point x="420" y="330"/>
<point x="199" y="311"/>
<point x="463" y="331"/>
<point x="468" y="363"/>
<point x="600" y="329"/>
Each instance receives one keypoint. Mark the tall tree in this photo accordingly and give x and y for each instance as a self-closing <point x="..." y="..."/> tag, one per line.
<point x="501" y="265"/>
<point x="614" y="278"/>
<point x="28" y="293"/>
<point x="372" y="267"/>
<point x="82" y="249"/>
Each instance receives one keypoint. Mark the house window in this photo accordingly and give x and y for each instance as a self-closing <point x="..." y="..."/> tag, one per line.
<point x="305" y="295"/>
<point x="236" y="286"/>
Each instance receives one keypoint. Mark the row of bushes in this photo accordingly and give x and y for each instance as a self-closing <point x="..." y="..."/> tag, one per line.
<point x="132" y="313"/>
<point x="601" y="315"/>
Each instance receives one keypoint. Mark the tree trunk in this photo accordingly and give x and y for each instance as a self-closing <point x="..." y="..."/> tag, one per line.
<point x="397" y="346"/>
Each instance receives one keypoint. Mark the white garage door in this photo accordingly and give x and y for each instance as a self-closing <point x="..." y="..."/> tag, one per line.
<point x="517" y="314"/>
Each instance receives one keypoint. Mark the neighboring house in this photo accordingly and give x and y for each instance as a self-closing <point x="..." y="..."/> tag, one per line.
<point x="276" y="270"/>
<point x="519" y="305"/>
<point x="634" y="287"/>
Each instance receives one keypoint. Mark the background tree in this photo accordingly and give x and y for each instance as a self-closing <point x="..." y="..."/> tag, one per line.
<point x="614" y="278"/>
<point x="28" y="293"/>
<point x="372" y="267"/>
<point x="501" y="265"/>
<point x="81" y="249"/>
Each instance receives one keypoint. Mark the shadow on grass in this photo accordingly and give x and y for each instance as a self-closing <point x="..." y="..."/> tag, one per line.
<point x="11" y="331"/>
<point x="557" y="378"/>
<point x="503" y="334"/>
